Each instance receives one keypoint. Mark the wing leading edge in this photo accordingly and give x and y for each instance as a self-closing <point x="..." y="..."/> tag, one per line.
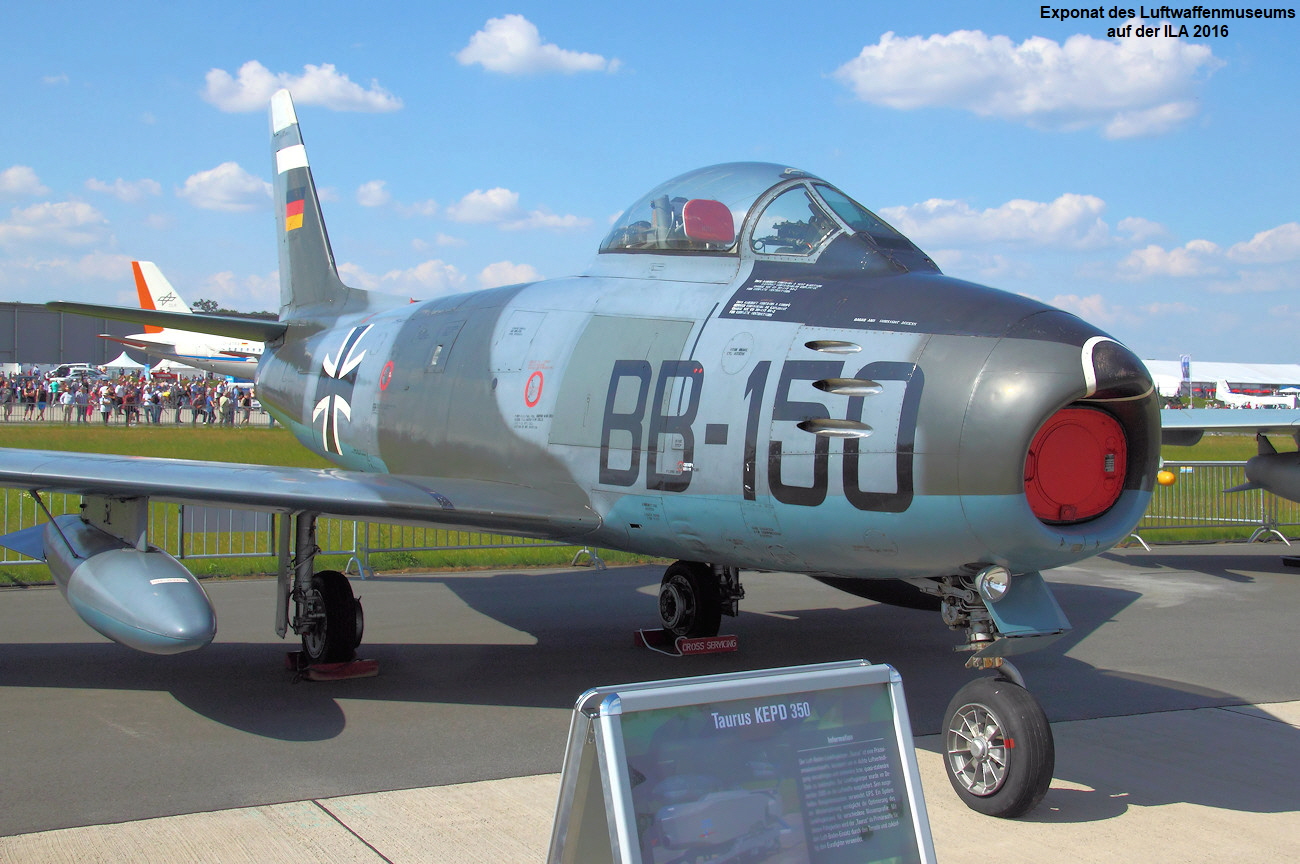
<point x="501" y="507"/>
<point x="251" y="329"/>
<point x="1185" y="427"/>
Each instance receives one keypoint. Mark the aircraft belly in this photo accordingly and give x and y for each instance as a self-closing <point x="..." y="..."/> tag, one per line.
<point x="840" y="540"/>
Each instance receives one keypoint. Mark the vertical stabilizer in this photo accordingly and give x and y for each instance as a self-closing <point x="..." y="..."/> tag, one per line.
<point x="309" y="281"/>
<point x="155" y="292"/>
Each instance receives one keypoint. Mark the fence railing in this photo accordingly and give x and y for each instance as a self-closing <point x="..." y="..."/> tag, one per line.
<point x="1197" y="500"/>
<point x="192" y="531"/>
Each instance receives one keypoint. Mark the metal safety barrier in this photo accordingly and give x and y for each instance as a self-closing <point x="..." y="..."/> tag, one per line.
<point x="1199" y="499"/>
<point x="193" y="531"/>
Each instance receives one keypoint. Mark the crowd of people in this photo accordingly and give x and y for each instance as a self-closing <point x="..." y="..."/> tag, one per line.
<point x="125" y="400"/>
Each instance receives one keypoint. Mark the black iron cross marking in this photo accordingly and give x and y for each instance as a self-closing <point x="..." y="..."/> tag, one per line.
<point x="334" y="388"/>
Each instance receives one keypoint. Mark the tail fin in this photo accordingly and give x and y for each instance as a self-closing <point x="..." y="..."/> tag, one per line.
<point x="155" y="292"/>
<point x="309" y="280"/>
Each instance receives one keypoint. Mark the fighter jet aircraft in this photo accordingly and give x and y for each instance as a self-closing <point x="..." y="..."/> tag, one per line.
<point x="222" y="355"/>
<point x="757" y="373"/>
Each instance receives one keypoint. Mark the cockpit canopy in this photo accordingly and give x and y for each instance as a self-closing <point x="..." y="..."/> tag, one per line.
<point x="765" y="209"/>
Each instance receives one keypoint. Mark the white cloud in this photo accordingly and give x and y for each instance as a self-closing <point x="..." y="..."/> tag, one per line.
<point x="373" y="193"/>
<point x="317" y="85"/>
<point x="251" y="293"/>
<point x="21" y="180"/>
<point x="448" y="240"/>
<point x="37" y="279"/>
<point x="1277" y="279"/>
<point x="507" y="273"/>
<point x="429" y="279"/>
<point x="61" y="223"/>
<point x="512" y="45"/>
<point x="1140" y="229"/>
<point x="1094" y="308"/>
<point x="979" y="264"/>
<point x="1274" y="246"/>
<point x="501" y="206"/>
<point x="226" y="187"/>
<point x="1128" y="87"/>
<point x="1168" y="310"/>
<point x="125" y="190"/>
<point x="353" y="275"/>
<point x="1071" y="220"/>
<point x="494" y="205"/>
<point x="428" y="207"/>
<point x="61" y="78"/>
<point x="1196" y="258"/>
<point x="543" y="219"/>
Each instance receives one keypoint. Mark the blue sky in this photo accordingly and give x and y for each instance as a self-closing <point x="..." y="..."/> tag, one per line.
<point x="1147" y="184"/>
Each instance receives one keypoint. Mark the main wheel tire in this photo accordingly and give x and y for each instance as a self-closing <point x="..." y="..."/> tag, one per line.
<point x="690" y="600"/>
<point x="337" y="631"/>
<point x="998" y="747"/>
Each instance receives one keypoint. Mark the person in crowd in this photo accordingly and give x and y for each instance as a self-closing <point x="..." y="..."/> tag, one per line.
<point x="65" y="402"/>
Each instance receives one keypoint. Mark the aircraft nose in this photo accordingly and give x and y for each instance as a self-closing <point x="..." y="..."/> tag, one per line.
<point x="1062" y="430"/>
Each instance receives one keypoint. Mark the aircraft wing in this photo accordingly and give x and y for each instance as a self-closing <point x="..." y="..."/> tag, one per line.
<point x="1184" y="428"/>
<point x="493" y="506"/>
<point x="252" y="329"/>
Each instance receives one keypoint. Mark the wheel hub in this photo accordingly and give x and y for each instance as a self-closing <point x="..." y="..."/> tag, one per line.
<point x="674" y="606"/>
<point x="977" y="750"/>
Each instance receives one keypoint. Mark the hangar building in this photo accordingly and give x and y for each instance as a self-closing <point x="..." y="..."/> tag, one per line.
<point x="1254" y="379"/>
<point x="32" y="334"/>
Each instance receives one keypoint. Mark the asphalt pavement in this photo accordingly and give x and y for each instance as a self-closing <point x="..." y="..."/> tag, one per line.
<point x="1175" y="704"/>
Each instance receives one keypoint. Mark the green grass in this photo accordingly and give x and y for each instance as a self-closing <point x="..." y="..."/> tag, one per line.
<point x="273" y="446"/>
<point x="1213" y="448"/>
<point x="257" y="445"/>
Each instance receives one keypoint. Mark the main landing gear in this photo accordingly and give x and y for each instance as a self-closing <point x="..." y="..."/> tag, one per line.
<point x="999" y="752"/>
<point x="693" y="597"/>
<point x="319" y="607"/>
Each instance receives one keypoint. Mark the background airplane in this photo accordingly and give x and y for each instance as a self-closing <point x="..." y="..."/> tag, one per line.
<point x="755" y="373"/>
<point x="236" y="358"/>
<point x="1223" y="393"/>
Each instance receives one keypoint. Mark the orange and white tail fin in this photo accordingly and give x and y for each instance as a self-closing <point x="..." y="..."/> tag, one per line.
<point x="155" y="291"/>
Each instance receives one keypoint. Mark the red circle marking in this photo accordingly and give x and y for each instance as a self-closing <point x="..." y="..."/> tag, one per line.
<point x="386" y="375"/>
<point x="533" y="390"/>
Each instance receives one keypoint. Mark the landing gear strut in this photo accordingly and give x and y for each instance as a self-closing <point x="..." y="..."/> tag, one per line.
<point x="693" y="597"/>
<point x="324" y="611"/>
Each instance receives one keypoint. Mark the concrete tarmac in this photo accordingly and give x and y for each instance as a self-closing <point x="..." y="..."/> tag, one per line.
<point x="1175" y="704"/>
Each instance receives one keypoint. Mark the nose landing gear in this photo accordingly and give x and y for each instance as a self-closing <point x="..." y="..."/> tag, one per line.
<point x="998" y="748"/>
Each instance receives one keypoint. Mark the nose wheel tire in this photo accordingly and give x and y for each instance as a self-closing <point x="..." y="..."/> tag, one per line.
<point x="334" y="618"/>
<point x="690" y="600"/>
<point x="998" y="748"/>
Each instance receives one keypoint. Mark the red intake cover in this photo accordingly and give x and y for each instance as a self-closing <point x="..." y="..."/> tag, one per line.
<point x="1075" y="467"/>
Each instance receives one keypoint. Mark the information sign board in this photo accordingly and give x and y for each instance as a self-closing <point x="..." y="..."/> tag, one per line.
<point x="801" y="765"/>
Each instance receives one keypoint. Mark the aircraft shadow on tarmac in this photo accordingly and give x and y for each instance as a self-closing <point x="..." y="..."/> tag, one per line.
<point x="583" y="623"/>
<point x="1220" y="565"/>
